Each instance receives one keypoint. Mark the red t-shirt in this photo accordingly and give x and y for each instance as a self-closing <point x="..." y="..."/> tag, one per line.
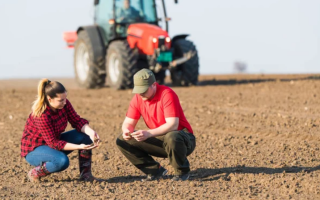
<point x="164" y="104"/>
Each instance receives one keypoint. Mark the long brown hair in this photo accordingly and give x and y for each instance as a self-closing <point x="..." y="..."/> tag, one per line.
<point x="46" y="88"/>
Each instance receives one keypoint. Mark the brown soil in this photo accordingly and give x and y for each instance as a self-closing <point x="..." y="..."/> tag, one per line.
<point x="257" y="138"/>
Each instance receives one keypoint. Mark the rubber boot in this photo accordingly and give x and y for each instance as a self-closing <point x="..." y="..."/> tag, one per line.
<point x="36" y="173"/>
<point x="85" y="158"/>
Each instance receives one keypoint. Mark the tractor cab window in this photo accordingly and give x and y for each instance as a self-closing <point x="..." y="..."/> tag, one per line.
<point x="133" y="11"/>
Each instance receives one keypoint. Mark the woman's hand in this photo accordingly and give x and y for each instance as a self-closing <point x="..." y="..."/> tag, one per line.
<point x="95" y="138"/>
<point x="92" y="134"/>
<point x="86" y="147"/>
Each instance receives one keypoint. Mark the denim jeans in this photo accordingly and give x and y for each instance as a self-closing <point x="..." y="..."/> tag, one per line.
<point x="56" y="160"/>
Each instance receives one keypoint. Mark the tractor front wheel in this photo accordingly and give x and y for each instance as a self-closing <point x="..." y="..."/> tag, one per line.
<point x="121" y="65"/>
<point x="87" y="68"/>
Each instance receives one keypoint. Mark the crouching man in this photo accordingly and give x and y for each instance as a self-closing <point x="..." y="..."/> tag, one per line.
<point x="169" y="135"/>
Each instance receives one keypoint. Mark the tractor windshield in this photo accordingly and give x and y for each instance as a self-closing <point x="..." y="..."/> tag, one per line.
<point x="132" y="11"/>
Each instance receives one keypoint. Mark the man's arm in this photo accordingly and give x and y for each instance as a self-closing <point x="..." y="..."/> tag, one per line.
<point x="171" y="124"/>
<point x="128" y="126"/>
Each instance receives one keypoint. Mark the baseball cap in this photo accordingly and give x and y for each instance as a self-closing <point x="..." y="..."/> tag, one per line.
<point x="142" y="80"/>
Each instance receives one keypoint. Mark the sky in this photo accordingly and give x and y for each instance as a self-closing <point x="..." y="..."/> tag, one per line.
<point x="270" y="36"/>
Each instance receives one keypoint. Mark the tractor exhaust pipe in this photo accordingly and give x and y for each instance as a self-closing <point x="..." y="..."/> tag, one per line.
<point x="176" y="62"/>
<point x="176" y="1"/>
<point x="183" y="59"/>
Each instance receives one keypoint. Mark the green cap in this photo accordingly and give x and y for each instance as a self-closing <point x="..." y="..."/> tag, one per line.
<point x="142" y="80"/>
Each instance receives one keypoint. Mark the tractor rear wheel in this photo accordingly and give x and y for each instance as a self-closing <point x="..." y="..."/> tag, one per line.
<point x="121" y="65"/>
<point x="160" y="76"/>
<point x="187" y="73"/>
<point x="88" y="69"/>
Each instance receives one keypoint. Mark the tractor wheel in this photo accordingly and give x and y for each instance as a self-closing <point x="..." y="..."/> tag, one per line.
<point x="88" y="69"/>
<point x="160" y="76"/>
<point x="121" y="65"/>
<point x="187" y="73"/>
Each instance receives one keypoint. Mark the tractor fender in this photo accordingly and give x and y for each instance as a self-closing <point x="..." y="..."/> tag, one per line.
<point x="99" y="50"/>
<point x="177" y="37"/>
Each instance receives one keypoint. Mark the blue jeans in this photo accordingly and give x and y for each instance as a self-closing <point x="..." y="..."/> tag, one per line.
<point x="56" y="160"/>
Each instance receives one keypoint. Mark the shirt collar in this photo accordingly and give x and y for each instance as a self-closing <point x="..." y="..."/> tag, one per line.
<point x="156" y="95"/>
<point x="48" y="109"/>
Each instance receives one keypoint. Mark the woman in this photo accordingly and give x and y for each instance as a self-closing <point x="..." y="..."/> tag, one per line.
<point x="44" y="145"/>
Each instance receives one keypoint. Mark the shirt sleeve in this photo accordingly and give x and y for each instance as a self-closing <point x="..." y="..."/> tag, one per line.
<point x="171" y="105"/>
<point x="45" y="127"/>
<point x="133" y="111"/>
<point x="75" y="120"/>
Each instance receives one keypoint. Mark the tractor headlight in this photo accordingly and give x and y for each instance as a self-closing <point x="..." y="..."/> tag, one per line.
<point x="168" y="39"/>
<point x="154" y="40"/>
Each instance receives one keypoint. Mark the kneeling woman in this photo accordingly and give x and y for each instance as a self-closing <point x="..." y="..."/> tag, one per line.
<point x="44" y="145"/>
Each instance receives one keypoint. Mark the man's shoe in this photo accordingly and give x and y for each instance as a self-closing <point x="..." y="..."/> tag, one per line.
<point x="182" y="177"/>
<point x="161" y="173"/>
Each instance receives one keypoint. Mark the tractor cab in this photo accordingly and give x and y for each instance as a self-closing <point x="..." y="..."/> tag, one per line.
<point x="115" y="16"/>
<point x="127" y="36"/>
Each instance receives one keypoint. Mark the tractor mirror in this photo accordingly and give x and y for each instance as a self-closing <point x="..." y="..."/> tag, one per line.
<point x="96" y="2"/>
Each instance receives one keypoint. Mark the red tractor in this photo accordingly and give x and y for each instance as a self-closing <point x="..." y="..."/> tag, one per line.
<point x="126" y="37"/>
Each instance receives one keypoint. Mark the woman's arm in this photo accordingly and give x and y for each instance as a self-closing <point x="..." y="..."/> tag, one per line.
<point x="91" y="133"/>
<point x="75" y="120"/>
<point x="82" y="125"/>
<point x="45" y="127"/>
<point x="70" y="147"/>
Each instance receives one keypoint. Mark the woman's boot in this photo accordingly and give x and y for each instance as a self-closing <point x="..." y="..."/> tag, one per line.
<point x="85" y="158"/>
<point x="36" y="173"/>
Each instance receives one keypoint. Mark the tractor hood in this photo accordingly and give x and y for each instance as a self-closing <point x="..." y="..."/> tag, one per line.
<point x="146" y="37"/>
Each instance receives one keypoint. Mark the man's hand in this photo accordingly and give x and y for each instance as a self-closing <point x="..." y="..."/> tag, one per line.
<point x="126" y="135"/>
<point x="141" y="135"/>
<point x="128" y="126"/>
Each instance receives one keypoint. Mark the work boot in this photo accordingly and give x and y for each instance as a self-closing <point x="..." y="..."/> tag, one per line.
<point x="85" y="157"/>
<point x="182" y="177"/>
<point x="36" y="173"/>
<point x="160" y="174"/>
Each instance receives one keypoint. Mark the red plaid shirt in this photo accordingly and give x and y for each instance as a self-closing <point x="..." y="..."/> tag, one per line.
<point x="46" y="130"/>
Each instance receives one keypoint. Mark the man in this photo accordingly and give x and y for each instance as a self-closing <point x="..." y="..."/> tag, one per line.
<point x="169" y="136"/>
<point x="128" y="13"/>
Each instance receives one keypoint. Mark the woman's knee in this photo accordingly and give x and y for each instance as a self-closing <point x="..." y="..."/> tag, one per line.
<point x="76" y="137"/>
<point x="87" y="140"/>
